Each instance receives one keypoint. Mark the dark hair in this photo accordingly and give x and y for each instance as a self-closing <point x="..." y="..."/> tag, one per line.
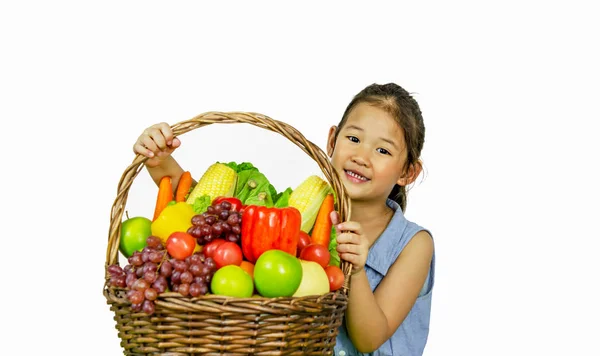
<point x="405" y="109"/>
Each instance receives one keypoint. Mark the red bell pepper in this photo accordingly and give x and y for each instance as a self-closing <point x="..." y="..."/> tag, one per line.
<point x="236" y="204"/>
<point x="265" y="229"/>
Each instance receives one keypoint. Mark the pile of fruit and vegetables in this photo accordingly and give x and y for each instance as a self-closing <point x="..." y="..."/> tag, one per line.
<point x="231" y="234"/>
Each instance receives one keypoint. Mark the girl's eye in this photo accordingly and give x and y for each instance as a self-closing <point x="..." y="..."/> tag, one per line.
<point x="383" y="151"/>
<point x="352" y="138"/>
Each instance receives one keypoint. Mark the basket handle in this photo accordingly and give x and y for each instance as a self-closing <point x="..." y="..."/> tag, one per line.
<point x="262" y="121"/>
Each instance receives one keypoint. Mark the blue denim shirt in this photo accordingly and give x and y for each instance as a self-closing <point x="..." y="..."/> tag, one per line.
<point x="411" y="336"/>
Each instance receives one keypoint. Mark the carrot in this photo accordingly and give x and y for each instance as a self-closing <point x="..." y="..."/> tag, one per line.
<point x="185" y="183"/>
<point x="321" y="230"/>
<point x="165" y="195"/>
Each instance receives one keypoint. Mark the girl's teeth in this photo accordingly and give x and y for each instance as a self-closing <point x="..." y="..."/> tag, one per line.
<point x="356" y="175"/>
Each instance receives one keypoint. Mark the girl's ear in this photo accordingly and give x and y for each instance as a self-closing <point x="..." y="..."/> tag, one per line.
<point x="331" y="141"/>
<point x="411" y="175"/>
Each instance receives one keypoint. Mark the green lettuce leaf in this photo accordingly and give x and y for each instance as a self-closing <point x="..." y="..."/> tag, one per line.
<point x="239" y="167"/>
<point x="256" y="184"/>
<point x="242" y="189"/>
<point x="201" y="204"/>
<point x="335" y="257"/>
<point x="253" y="188"/>
<point x="282" y="199"/>
<point x="271" y="190"/>
<point x="260" y="199"/>
<point x="232" y="165"/>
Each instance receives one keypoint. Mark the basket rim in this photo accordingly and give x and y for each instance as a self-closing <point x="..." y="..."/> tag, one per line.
<point x="216" y="117"/>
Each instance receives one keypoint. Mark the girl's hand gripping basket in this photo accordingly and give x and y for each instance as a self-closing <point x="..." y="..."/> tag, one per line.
<point x="218" y="325"/>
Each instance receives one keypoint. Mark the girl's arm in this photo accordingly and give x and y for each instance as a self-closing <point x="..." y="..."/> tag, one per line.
<point x="157" y="142"/>
<point x="168" y="167"/>
<point x="372" y="318"/>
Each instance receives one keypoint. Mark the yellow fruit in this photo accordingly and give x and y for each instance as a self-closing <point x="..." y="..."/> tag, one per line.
<point x="176" y="217"/>
<point x="314" y="280"/>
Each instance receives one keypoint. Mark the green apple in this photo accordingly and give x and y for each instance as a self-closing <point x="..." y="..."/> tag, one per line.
<point x="134" y="232"/>
<point x="232" y="281"/>
<point x="277" y="274"/>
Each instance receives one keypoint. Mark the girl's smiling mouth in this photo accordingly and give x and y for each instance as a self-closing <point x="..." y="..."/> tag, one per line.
<point x="355" y="177"/>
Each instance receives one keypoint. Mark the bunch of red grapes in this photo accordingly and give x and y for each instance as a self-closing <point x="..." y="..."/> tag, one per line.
<point x="219" y="221"/>
<point x="150" y="272"/>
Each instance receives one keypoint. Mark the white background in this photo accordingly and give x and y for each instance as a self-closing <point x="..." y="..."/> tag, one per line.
<point x="509" y="93"/>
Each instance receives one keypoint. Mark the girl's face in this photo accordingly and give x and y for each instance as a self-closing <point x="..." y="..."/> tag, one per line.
<point x="369" y="153"/>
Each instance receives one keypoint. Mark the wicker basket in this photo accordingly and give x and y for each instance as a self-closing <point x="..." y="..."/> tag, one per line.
<point x="217" y="325"/>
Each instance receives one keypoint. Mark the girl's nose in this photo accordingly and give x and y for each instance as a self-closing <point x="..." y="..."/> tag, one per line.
<point x="360" y="159"/>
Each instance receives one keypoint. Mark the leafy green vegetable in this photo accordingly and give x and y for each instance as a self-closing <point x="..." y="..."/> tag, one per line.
<point x="256" y="184"/>
<point x="253" y="188"/>
<point x="262" y="186"/>
<point x="232" y="165"/>
<point x="201" y="204"/>
<point x="271" y="190"/>
<point x="262" y="199"/>
<point x="335" y="257"/>
<point x="282" y="199"/>
<point x="242" y="183"/>
<point x="240" y="167"/>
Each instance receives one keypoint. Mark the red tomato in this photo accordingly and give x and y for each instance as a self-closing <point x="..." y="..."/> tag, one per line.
<point x="228" y="253"/>
<point x="335" y="276"/>
<point x="236" y="204"/>
<point x="180" y="245"/>
<point x="303" y="241"/>
<point x="210" y="248"/>
<point x="317" y="253"/>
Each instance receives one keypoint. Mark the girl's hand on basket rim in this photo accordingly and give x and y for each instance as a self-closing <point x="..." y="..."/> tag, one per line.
<point x="352" y="244"/>
<point x="157" y="143"/>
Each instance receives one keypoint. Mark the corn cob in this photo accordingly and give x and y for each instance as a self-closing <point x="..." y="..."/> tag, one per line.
<point x="218" y="180"/>
<point x="307" y="198"/>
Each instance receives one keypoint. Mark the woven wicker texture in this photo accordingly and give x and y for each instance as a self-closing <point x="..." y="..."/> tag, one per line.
<point x="216" y="325"/>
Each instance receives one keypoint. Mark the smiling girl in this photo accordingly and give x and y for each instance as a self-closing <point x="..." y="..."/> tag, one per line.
<point x="375" y="149"/>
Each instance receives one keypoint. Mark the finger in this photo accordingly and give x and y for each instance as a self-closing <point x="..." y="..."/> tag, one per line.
<point x="348" y="238"/>
<point x="350" y="226"/>
<point x="348" y="248"/>
<point x="149" y="144"/>
<point x="176" y="142"/>
<point x="167" y="133"/>
<point x="335" y="218"/>
<point x="350" y="257"/>
<point x="139" y="148"/>
<point x="158" y="137"/>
